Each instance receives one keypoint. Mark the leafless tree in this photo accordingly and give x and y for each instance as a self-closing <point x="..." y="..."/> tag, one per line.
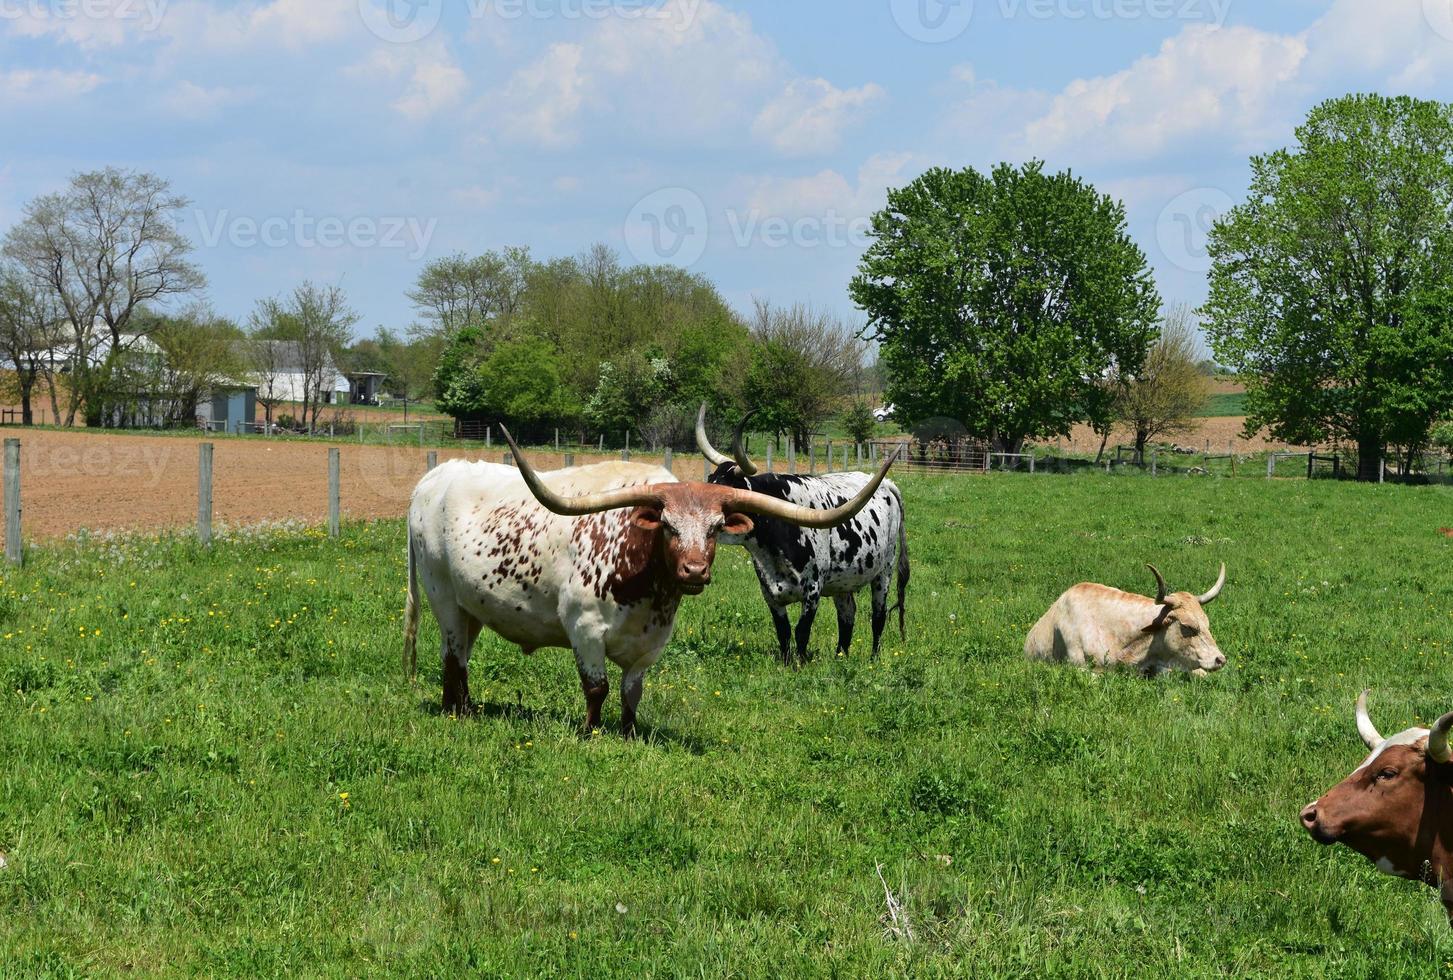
<point x="470" y="291"/>
<point x="104" y="247"/>
<point x="30" y="332"/>
<point x="265" y="360"/>
<point x="806" y="366"/>
<point x="316" y="323"/>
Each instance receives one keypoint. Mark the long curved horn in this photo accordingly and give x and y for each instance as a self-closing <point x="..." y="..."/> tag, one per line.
<point x="1160" y="590"/>
<point x="1210" y="597"/>
<point x="704" y="444"/>
<point x="1438" y="749"/>
<point x="744" y="462"/>
<point x="1365" y="727"/>
<point x="759" y="503"/>
<point x="590" y="503"/>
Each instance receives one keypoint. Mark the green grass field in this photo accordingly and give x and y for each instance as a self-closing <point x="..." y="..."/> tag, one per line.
<point x="1225" y="406"/>
<point x="209" y="763"/>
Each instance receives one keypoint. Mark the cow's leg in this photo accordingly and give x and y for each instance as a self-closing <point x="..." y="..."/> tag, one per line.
<point x="804" y="627"/>
<point x="631" y="682"/>
<point x="590" y="662"/>
<point x="783" y="626"/>
<point x="847" y="614"/>
<point x="880" y="609"/>
<point x="457" y="632"/>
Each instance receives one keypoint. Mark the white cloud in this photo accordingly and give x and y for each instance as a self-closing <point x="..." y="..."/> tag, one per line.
<point x="694" y="73"/>
<point x="94" y="24"/>
<point x="1403" y="44"/>
<point x="809" y="116"/>
<point x="1204" y="80"/>
<point x="26" y="85"/>
<point x="544" y="98"/>
<point x="430" y="79"/>
<point x="828" y="191"/>
<point x="199" y="102"/>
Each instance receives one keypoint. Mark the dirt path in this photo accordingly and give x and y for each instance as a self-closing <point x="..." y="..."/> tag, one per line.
<point x="75" y="480"/>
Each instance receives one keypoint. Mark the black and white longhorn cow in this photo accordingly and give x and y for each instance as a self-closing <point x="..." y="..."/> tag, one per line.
<point x="801" y="565"/>
<point x="595" y="559"/>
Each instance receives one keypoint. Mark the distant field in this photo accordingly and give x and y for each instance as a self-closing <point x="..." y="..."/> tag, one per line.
<point x="1225" y="406"/>
<point x="213" y="767"/>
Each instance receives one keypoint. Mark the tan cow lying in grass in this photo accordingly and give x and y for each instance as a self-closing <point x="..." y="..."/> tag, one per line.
<point x="1096" y="626"/>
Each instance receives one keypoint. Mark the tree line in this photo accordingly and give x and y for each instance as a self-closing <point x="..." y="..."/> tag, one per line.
<point x="1015" y="302"/>
<point x="1011" y="305"/>
<point x="588" y="344"/>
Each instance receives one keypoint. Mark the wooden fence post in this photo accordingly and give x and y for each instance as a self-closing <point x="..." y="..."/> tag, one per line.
<point x="509" y="459"/>
<point x="204" y="493"/>
<point x="13" y="550"/>
<point x="488" y="436"/>
<point x="668" y="460"/>
<point x="569" y="460"/>
<point x="811" y="458"/>
<point x="333" y="491"/>
<point x="769" y="457"/>
<point x="705" y="469"/>
<point x="791" y="455"/>
<point x="557" y="440"/>
<point x="432" y="460"/>
<point x="1271" y="466"/>
<point x="829" y="456"/>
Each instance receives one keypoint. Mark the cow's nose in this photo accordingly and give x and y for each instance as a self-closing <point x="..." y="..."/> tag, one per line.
<point x="695" y="569"/>
<point x="1309" y="816"/>
<point x="1220" y="661"/>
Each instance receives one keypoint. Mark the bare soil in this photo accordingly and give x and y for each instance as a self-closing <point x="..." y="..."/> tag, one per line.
<point x="112" y="481"/>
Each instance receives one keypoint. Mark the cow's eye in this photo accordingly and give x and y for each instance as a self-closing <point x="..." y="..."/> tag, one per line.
<point x="1385" y="775"/>
<point x="1188" y="630"/>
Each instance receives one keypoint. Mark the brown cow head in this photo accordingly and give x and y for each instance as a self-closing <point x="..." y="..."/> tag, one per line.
<point x="1396" y="808"/>
<point x="686" y="518"/>
<point x="1180" y="634"/>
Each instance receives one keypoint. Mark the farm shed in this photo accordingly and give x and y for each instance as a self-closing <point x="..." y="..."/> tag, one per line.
<point x="364" y="387"/>
<point x="230" y="408"/>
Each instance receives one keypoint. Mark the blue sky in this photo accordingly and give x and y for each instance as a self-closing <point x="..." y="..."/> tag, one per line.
<point x="349" y="141"/>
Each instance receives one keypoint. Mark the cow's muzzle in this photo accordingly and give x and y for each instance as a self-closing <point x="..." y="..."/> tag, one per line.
<point x="1319" y="833"/>
<point x="693" y="578"/>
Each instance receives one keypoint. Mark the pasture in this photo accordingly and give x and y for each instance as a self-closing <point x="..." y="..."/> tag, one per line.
<point x="210" y="763"/>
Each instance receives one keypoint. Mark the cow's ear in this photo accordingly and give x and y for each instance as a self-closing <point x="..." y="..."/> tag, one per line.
<point x="1160" y="622"/>
<point x="737" y="524"/>
<point x="647" y="518"/>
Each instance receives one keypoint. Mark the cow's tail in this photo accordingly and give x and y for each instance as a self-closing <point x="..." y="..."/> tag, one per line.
<point x="903" y="570"/>
<point x="411" y="615"/>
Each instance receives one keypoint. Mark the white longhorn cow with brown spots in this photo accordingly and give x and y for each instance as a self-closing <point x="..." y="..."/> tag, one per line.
<point x="594" y="559"/>
<point x="1093" y="625"/>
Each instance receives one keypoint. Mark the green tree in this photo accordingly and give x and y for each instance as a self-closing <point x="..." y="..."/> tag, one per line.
<point x="859" y="422"/>
<point x="457" y="386"/>
<point x="1332" y="285"/>
<point x="1002" y="301"/>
